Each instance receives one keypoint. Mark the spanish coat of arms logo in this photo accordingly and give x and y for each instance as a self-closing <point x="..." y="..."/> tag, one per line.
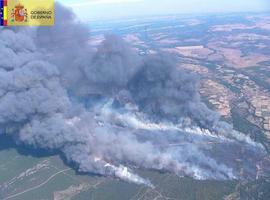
<point x="19" y="13"/>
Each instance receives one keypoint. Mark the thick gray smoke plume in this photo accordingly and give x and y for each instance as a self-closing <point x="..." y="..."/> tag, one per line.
<point x="180" y="98"/>
<point x="109" y="110"/>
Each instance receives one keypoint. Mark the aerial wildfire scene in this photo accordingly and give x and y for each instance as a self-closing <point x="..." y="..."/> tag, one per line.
<point x="106" y="108"/>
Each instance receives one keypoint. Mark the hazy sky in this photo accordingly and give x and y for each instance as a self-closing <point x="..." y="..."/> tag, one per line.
<point x="87" y="9"/>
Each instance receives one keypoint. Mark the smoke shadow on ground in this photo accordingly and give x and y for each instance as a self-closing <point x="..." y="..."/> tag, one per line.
<point x="8" y="143"/>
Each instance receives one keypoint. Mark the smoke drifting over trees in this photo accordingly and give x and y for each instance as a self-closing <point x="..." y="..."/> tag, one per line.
<point x="45" y="73"/>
